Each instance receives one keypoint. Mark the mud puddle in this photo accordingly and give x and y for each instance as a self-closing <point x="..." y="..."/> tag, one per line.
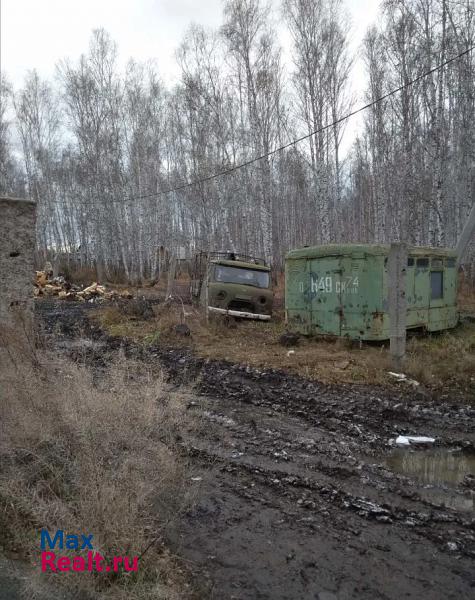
<point x="447" y="474"/>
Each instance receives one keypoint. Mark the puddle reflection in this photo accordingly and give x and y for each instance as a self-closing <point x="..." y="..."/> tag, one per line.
<point x="437" y="467"/>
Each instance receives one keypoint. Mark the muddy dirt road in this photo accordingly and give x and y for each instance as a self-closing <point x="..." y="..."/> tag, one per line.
<point x="299" y="493"/>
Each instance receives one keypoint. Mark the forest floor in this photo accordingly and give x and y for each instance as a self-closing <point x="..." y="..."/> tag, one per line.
<point x="300" y="493"/>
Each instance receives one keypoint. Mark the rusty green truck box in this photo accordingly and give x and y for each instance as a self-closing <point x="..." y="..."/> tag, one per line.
<point x="342" y="290"/>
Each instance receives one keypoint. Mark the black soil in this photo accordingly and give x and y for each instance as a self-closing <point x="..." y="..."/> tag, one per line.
<point x="293" y="498"/>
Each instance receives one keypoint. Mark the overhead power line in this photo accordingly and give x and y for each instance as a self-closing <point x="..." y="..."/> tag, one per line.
<point x="251" y="161"/>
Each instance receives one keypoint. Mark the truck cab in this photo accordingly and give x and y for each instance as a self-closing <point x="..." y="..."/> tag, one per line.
<point x="234" y="284"/>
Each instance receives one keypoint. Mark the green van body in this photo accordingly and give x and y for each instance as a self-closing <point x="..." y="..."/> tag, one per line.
<point x="342" y="290"/>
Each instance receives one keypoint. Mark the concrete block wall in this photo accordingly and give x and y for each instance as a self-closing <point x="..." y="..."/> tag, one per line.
<point x="17" y="268"/>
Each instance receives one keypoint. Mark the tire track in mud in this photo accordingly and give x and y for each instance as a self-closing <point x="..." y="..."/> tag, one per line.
<point x="318" y="471"/>
<point x="294" y="501"/>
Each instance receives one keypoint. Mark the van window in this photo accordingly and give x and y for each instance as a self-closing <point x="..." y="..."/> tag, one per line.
<point x="410" y="262"/>
<point x="228" y="274"/>
<point x="422" y="262"/>
<point x="436" y="285"/>
<point x="451" y="262"/>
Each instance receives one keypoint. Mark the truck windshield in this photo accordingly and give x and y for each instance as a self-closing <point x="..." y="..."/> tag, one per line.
<point x="225" y="274"/>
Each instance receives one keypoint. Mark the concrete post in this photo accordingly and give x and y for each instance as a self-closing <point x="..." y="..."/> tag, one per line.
<point x="397" y="265"/>
<point x="466" y="235"/>
<point x="171" y="277"/>
<point x="206" y="295"/>
<point x="17" y="267"/>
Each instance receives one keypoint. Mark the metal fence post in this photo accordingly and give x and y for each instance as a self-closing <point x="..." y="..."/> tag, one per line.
<point x="397" y="264"/>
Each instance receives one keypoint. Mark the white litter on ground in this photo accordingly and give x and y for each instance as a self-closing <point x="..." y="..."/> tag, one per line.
<point x="399" y="376"/>
<point x="407" y="440"/>
<point x="403" y="377"/>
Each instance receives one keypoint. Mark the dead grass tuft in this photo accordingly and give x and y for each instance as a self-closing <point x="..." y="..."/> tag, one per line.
<point x="466" y="297"/>
<point x="446" y="359"/>
<point x="91" y="455"/>
<point x="111" y="316"/>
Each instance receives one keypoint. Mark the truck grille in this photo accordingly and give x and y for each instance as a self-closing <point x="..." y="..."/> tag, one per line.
<point x="241" y="305"/>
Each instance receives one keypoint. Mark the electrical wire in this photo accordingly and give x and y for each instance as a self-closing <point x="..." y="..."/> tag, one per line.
<point x="251" y="161"/>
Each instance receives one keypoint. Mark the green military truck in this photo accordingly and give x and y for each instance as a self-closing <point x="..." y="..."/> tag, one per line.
<point x="232" y="284"/>
<point x="343" y="290"/>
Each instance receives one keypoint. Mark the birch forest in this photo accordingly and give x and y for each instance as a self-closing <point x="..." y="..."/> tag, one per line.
<point x="108" y="153"/>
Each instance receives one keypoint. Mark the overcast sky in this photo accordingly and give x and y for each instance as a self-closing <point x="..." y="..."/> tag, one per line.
<point x="35" y="34"/>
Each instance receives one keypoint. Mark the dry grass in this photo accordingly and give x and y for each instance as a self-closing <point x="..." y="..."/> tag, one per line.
<point x="111" y="316"/>
<point x="253" y="343"/>
<point x="90" y="457"/>
<point x="79" y="275"/>
<point x="446" y="360"/>
<point x="439" y="361"/>
<point x="466" y="297"/>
